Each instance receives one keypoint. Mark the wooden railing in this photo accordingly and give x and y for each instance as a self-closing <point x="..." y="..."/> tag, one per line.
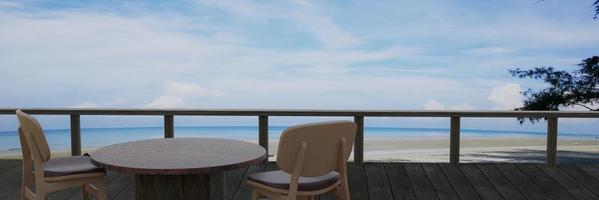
<point x="358" y="115"/>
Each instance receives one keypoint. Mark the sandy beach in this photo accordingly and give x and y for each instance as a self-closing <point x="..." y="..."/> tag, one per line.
<point x="475" y="149"/>
<point x="436" y="149"/>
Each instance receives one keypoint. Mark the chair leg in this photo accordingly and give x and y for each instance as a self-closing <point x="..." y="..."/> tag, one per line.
<point x="101" y="189"/>
<point x="305" y="197"/>
<point x="254" y="195"/>
<point x="23" y="191"/>
<point x="84" y="193"/>
<point x="26" y="184"/>
<point x="40" y="195"/>
<point x="343" y="193"/>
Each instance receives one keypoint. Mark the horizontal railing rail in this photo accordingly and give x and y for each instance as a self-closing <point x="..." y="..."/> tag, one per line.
<point x="304" y="112"/>
<point x="358" y="115"/>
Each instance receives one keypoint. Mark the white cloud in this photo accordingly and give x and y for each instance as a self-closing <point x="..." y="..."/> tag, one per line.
<point x="8" y="4"/>
<point x="181" y="89"/>
<point x="243" y="8"/>
<point x="490" y="50"/>
<point x="463" y="106"/>
<point x="517" y="26"/>
<point x="325" y="29"/>
<point x="177" y="93"/>
<point x="86" y="104"/>
<point x="166" y="102"/>
<point x="135" y="55"/>
<point x="507" y="96"/>
<point x="432" y="104"/>
<point x="304" y="13"/>
<point x="111" y="103"/>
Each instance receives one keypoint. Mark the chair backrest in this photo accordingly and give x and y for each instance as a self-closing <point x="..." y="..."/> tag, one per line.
<point x="33" y="136"/>
<point x="322" y="140"/>
<point x="24" y="146"/>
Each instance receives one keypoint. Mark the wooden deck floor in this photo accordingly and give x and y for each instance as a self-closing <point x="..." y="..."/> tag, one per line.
<point x="380" y="181"/>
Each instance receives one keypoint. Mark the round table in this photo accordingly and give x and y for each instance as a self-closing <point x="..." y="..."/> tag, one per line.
<point x="179" y="168"/>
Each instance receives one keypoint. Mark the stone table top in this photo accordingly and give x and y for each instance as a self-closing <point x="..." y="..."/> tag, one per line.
<point x="177" y="156"/>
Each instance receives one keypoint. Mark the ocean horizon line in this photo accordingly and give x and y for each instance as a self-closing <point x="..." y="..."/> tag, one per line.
<point x="97" y="137"/>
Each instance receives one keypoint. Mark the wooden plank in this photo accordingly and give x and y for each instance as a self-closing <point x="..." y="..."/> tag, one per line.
<point x="244" y="191"/>
<point x="377" y="182"/>
<point x="521" y="182"/>
<point x="588" y="181"/>
<point x="400" y="183"/>
<point x="480" y="183"/>
<point x="359" y="140"/>
<point x="64" y="194"/>
<point x="11" y="181"/>
<point x="303" y="112"/>
<point x="460" y="183"/>
<point x="169" y="126"/>
<point x="454" y="141"/>
<point x="590" y="170"/>
<point x="75" y="135"/>
<point x="263" y="133"/>
<point x="423" y="189"/>
<point x="501" y="183"/>
<point x="439" y="181"/>
<point x="551" y="141"/>
<point x="576" y="189"/>
<point x="569" y="178"/>
<point x="545" y="183"/>
<point x="7" y="165"/>
<point x="357" y="179"/>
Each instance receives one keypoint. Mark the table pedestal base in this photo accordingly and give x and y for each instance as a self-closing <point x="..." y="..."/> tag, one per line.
<point x="192" y="186"/>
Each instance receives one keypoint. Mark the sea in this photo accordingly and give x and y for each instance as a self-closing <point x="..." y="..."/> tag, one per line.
<point x="59" y="139"/>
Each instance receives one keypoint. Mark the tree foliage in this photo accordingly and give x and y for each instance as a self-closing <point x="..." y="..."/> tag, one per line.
<point x="566" y="89"/>
<point x="577" y="88"/>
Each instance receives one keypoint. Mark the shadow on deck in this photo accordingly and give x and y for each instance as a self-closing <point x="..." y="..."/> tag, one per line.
<point x="380" y="181"/>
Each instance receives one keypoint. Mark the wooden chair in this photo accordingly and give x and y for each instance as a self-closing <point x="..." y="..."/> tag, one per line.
<point x="312" y="158"/>
<point x="52" y="174"/>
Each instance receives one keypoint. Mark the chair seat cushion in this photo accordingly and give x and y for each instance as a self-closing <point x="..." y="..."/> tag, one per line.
<point x="64" y="166"/>
<point x="280" y="179"/>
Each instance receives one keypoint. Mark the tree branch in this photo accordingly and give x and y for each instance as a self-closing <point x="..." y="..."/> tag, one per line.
<point x="590" y="109"/>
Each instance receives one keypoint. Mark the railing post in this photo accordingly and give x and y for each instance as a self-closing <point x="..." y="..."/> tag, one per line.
<point x="454" y="141"/>
<point x="551" y="141"/>
<point x="75" y="135"/>
<point x="359" y="141"/>
<point x="263" y="132"/>
<point x="169" y="126"/>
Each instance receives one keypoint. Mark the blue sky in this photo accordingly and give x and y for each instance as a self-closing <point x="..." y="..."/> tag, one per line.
<point x="286" y="54"/>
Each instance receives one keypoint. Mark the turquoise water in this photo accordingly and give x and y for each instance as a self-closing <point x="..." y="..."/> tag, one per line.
<point x="97" y="137"/>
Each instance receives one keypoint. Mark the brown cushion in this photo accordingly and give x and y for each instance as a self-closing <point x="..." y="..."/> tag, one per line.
<point x="69" y="166"/>
<point x="280" y="179"/>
